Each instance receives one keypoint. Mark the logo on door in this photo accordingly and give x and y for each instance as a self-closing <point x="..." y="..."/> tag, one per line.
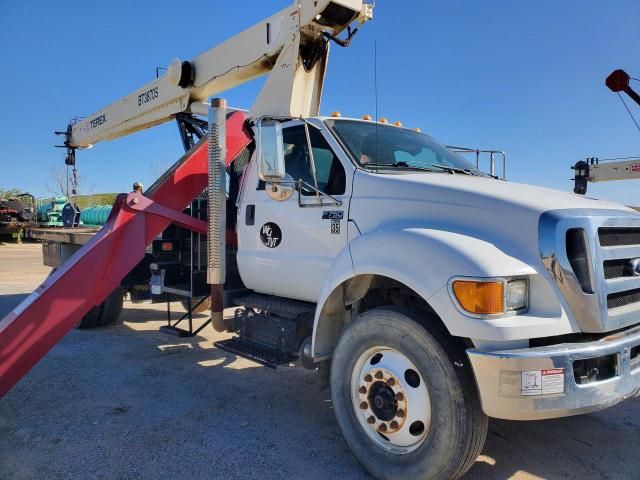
<point x="270" y="234"/>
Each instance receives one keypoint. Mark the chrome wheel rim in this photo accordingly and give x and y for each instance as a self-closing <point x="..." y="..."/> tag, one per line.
<point x="391" y="400"/>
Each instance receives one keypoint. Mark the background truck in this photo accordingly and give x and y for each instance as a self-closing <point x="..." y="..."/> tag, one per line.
<point x="432" y="295"/>
<point x="16" y="215"/>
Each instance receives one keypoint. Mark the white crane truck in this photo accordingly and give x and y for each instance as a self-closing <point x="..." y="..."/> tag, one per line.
<point x="435" y="295"/>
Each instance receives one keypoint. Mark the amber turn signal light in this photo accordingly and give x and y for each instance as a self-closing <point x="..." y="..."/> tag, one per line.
<point x="480" y="298"/>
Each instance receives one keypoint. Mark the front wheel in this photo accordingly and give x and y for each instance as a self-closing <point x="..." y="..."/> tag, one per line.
<point x="405" y="398"/>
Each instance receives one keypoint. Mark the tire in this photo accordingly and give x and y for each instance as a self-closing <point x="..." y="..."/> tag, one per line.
<point x="205" y="306"/>
<point x="91" y="319"/>
<point x="111" y="308"/>
<point x="107" y="313"/>
<point x="390" y="343"/>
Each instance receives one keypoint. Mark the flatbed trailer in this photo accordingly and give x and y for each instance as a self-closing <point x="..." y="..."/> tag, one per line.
<point x="58" y="244"/>
<point x="16" y="231"/>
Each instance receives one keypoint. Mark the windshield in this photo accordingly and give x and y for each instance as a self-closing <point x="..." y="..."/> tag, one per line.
<point x="378" y="146"/>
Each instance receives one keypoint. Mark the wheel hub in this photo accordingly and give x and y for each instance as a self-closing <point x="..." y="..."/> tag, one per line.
<point x="391" y="400"/>
<point x="385" y="400"/>
<point x="383" y="403"/>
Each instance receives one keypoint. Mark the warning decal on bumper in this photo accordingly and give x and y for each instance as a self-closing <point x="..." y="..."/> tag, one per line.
<point x="542" y="382"/>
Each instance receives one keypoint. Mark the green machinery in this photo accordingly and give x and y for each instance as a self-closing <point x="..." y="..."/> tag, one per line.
<point x="50" y="213"/>
<point x="95" y="216"/>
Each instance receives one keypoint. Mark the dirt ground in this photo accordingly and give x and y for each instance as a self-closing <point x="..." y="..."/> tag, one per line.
<point x="129" y="402"/>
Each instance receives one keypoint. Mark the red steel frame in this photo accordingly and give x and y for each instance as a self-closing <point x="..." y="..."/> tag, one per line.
<point x="89" y="276"/>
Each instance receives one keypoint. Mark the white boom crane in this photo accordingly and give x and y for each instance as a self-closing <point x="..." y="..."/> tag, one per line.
<point x="594" y="170"/>
<point x="292" y="46"/>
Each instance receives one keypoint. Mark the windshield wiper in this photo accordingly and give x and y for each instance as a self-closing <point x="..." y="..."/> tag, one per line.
<point x="444" y="168"/>
<point x="400" y="165"/>
<point x="426" y="167"/>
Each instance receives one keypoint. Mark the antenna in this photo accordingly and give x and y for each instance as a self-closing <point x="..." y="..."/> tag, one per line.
<point x="375" y="77"/>
<point x="375" y="94"/>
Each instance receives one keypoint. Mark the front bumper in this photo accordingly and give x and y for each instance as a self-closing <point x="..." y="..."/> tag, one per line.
<point x="538" y="383"/>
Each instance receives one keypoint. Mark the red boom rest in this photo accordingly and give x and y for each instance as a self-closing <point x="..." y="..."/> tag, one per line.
<point x="29" y="331"/>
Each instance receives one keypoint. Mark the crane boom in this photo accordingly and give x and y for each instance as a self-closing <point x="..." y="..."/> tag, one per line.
<point x="292" y="45"/>
<point x="592" y="170"/>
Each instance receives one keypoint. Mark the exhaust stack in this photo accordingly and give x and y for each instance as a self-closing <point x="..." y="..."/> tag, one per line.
<point x="216" y="190"/>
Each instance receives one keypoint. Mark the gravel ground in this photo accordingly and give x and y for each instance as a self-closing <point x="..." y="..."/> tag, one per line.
<point x="128" y="402"/>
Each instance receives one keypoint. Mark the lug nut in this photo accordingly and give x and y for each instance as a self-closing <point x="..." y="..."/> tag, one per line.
<point x="379" y="375"/>
<point x="368" y="378"/>
<point x="382" y="427"/>
<point x="362" y="390"/>
<point x="391" y="382"/>
<point x="399" y="397"/>
<point x="393" y="425"/>
<point x="400" y="413"/>
<point x="371" y="420"/>
<point x="364" y="405"/>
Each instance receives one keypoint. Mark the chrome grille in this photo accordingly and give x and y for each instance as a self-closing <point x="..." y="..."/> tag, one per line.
<point x="626" y="242"/>
<point x="614" y="240"/>
<point x="615" y="268"/>
<point x="622" y="299"/>
<point x="614" y="237"/>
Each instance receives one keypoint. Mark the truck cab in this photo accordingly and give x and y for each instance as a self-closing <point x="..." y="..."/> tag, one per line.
<point x="531" y="291"/>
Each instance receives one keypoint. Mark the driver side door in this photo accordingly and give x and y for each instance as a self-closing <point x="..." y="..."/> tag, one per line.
<point x="287" y="247"/>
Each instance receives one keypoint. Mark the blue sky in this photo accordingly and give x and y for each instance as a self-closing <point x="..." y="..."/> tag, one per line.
<point x="525" y="77"/>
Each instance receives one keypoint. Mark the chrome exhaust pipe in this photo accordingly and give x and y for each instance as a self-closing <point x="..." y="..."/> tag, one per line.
<point x="217" y="205"/>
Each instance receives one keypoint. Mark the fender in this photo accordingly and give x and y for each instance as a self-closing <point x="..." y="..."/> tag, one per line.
<point x="341" y="270"/>
<point x="424" y="260"/>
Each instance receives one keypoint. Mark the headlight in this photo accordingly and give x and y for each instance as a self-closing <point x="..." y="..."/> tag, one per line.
<point x="490" y="296"/>
<point x="517" y="295"/>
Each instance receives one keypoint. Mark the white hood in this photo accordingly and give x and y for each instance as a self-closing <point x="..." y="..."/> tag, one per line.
<point x="503" y="213"/>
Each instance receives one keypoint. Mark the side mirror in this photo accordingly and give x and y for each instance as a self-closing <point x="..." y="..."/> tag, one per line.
<point x="270" y="151"/>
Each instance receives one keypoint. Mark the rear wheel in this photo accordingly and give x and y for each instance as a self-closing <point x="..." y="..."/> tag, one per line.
<point x="404" y="407"/>
<point x="112" y="308"/>
<point x="91" y="319"/>
<point x="107" y="313"/>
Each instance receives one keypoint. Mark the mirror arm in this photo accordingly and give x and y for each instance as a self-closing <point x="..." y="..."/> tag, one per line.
<point x="300" y="183"/>
<point x="312" y="160"/>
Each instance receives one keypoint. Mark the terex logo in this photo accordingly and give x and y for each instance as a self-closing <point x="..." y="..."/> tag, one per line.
<point x="96" y="122"/>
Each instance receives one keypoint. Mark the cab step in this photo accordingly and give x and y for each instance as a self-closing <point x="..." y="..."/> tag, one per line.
<point x="263" y="337"/>
<point x="269" y="357"/>
<point x="282" y="307"/>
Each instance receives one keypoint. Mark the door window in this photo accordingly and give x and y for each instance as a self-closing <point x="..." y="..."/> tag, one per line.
<point x="330" y="174"/>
